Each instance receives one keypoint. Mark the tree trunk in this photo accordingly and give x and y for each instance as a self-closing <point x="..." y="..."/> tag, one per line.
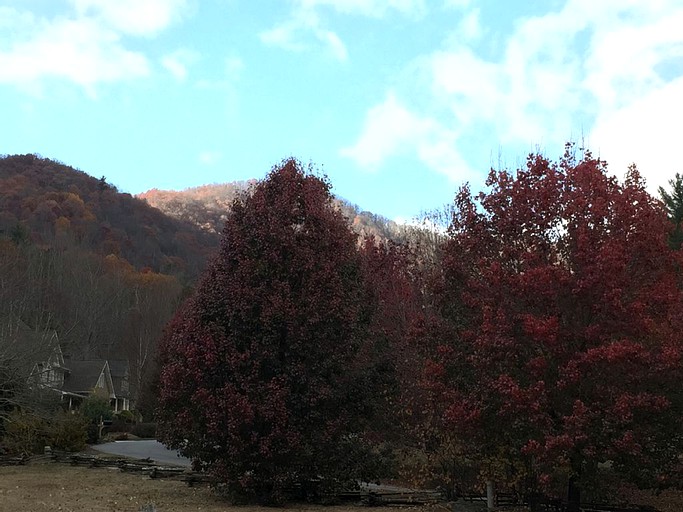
<point x="573" y="496"/>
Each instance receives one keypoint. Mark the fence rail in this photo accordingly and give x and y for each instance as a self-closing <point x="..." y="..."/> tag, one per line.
<point x="369" y="497"/>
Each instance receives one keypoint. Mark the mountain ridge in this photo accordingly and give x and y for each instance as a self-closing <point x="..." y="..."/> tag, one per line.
<point x="207" y="207"/>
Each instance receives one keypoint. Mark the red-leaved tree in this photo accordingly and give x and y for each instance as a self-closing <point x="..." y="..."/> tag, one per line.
<point x="562" y="304"/>
<point x="394" y="281"/>
<point x="260" y="382"/>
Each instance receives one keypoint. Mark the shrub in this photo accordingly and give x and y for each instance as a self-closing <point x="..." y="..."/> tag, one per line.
<point x="125" y="416"/>
<point x="148" y="430"/>
<point x="93" y="433"/>
<point x="68" y="431"/>
<point x="95" y="407"/>
<point x="25" y="433"/>
<point x="118" y="425"/>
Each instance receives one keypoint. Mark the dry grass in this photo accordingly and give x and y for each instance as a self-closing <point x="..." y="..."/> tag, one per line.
<point x="49" y="486"/>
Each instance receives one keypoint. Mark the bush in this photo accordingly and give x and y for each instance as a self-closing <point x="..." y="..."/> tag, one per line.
<point x="125" y="416"/>
<point x="118" y="425"/>
<point x="95" y="407"/>
<point x="93" y="433"/>
<point x="25" y="433"/>
<point x="68" y="431"/>
<point x="148" y="430"/>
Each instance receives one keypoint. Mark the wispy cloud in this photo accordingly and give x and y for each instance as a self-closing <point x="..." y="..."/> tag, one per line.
<point x="613" y="69"/>
<point x="210" y="157"/>
<point x="84" y="45"/>
<point x="178" y="62"/>
<point x="457" y="4"/>
<point x="305" y="28"/>
<point x="303" y="31"/>
<point x="391" y="129"/>
<point x="370" y="8"/>
<point x="135" y="17"/>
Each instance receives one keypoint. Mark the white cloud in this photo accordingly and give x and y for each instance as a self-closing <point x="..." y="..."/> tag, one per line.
<point x="470" y="28"/>
<point x="178" y="61"/>
<point x="79" y="51"/>
<point x="613" y="69"/>
<point x="232" y="70"/>
<point x="370" y="8"/>
<point x="210" y="157"/>
<point x="303" y="25"/>
<point x="233" y="66"/>
<point x="84" y="45"/>
<point x="457" y="4"/>
<point x="136" y="17"/>
<point x="283" y="36"/>
<point x="390" y="128"/>
<point x="647" y="132"/>
<point x="306" y="22"/>
<point x="335" y="44"/>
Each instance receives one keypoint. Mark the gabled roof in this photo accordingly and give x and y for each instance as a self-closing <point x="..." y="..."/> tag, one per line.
<point x="118" y="368"/>
<point x="119" y="375"/>
<point x="23" y="347"/>
<point x="83" y="375"/>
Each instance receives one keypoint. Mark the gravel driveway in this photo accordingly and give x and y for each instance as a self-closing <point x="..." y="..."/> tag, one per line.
<point x="142" y="449"/>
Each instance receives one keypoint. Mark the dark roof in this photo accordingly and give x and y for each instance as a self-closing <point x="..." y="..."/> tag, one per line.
<point x="118" y="368"/>
<point x="83" y="375"/>
<point x="23" y="347"/>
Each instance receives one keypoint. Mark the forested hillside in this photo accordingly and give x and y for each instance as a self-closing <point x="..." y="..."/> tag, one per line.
<point x="533" y="341"/>
<point x="107" y="270"/>
<point x="102" y="268"/>
<point x="207" y="207"/>
<point x="55" y="206"/>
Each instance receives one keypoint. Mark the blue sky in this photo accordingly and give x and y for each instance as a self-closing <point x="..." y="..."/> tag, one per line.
<point x="399" y="101"/>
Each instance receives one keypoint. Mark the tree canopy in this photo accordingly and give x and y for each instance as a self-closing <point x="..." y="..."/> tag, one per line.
<point x="673" y="201"/>
<point x="561" y="347"/>
<point x="258" y="380"/>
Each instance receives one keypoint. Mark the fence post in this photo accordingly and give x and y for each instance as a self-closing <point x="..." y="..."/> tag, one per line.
<point x="490" y="495"/>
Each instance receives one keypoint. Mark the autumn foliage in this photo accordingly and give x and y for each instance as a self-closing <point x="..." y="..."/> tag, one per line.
<point x="537" y="343"/>
<point x="55" y="206"/>
<point x="561" y="328"/>
<point x="261" y="383"/>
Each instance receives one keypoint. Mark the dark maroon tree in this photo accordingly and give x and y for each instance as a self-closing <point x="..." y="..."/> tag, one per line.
<point x="393" y="280"/>
<point x="258" y="382"/>
<point x="563" y="302"/>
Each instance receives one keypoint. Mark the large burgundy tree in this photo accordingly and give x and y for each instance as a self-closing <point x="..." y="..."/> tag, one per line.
<point x="259" y="380"/>
<point x="562" y="303"/>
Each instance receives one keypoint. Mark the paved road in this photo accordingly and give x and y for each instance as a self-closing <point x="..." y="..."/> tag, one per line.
<point x="143" y="449"/>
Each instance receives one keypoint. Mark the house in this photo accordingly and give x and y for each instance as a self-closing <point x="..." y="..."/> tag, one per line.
<point x="86" y="378"/>
<point x="120" y="376"/>
<point x="32" y="355"/>
<point x="95" y="377"/>
<point x="36" y="356"/>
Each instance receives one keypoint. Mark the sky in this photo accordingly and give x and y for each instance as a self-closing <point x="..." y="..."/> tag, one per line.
<point x="399" y="102"/>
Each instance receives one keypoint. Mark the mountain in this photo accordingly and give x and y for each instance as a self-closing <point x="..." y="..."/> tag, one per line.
<point x="104" y="270"/>
<point x="53" y="205"/>
<point x="107" y="270"/>
<point x="207" y="207"/>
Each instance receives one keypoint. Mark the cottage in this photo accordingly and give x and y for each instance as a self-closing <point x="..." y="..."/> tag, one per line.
<point x="36" y="357"/>
<point x="120" y="376"/>
<point x="85" y="378"/>
<point x="32" y="355"/>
